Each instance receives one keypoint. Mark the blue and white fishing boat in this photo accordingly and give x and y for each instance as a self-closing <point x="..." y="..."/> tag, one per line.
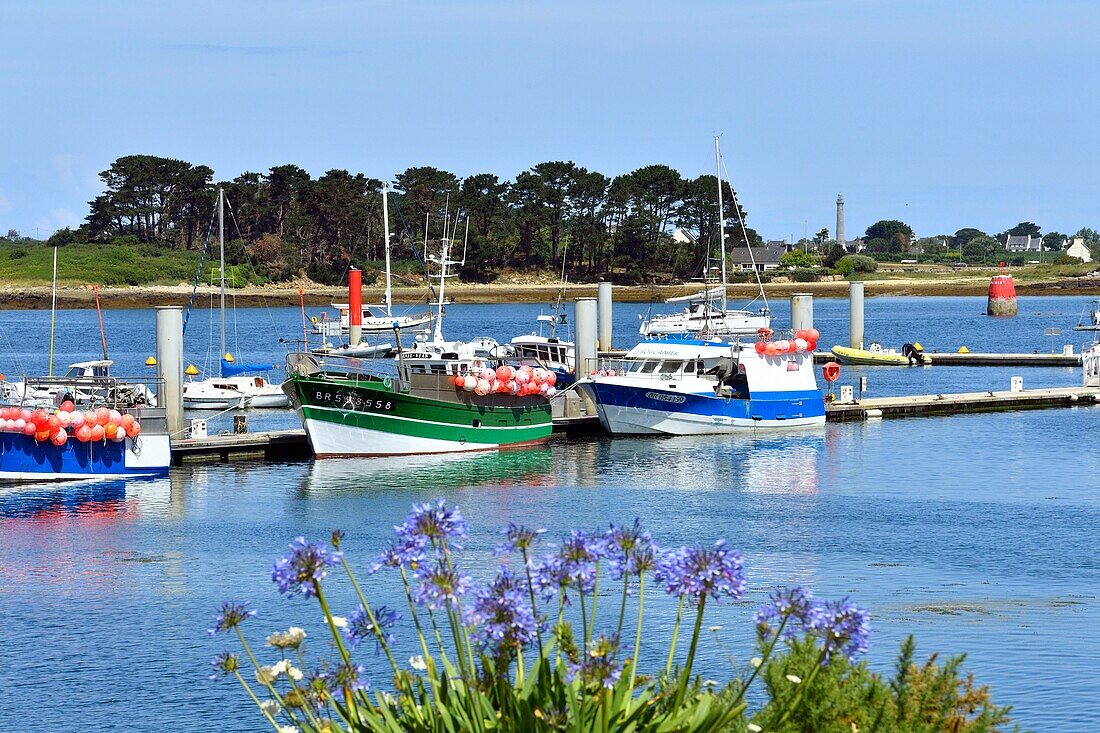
<point x="692" y="386"/>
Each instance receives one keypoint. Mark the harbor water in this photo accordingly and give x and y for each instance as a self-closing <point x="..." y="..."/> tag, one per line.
<point x="975" y="533"/>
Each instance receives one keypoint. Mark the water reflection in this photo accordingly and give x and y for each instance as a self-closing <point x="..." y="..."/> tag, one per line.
<point x="527" y="468"/>
<point x="45" y="502"/>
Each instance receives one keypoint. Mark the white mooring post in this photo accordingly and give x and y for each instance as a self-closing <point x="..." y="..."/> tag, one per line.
<point x="855" y="315"/>
<point x="584" y="330"/>
<point x="170" y="364"/>
<point x="802" y="311"/>
<point x="604" y="321"/>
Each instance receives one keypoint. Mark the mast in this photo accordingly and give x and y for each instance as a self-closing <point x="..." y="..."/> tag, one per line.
<point x="721" y="219"/>
<point x="53" y="307"/>
<point x="221" y="261"/>
<point x="386" y="231"/>
<point x="444" y="261"/>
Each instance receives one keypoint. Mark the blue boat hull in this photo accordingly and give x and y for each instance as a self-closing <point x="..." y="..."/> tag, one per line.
<point x="22" y="458"/>
<point x="626" y="409"/>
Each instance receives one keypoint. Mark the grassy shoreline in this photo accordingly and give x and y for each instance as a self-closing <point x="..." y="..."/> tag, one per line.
<point x="24" y="297"/>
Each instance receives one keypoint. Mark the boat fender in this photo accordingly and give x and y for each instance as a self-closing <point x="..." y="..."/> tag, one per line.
<point x="387" y="382"/>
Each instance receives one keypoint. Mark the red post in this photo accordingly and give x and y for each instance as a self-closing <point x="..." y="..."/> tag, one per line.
<point x="355" y="297"/>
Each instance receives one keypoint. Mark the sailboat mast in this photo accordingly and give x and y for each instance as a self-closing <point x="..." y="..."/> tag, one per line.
<point x="386" y="232"/>
<point x="721" y="219"/>
<point x="53" y="307"/>
<point x="221" y="261"/>
<point x="443" y="264"/>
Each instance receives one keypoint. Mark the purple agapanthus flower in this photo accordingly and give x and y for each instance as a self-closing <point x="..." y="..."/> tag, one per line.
<point x="360" y="628"/>
<point x="231" y="614"/>
<point x="300" y="571"/>
<point x="796" y="605"/>
<point x="842" y="626"/>
<point x="349" y="675"/>
<point x="224" y="664"/>
<point x="433" y="522"/>
<point x="574" y="565"/>
<point x="438" y="586"/>
<point x="703" y="572"/>
<point x="502" y="616"/>
<point x="518" y="538"/>
<point x="405" y="553"/>
<point x="629" y="550"/>
<point x="598" y="665"/>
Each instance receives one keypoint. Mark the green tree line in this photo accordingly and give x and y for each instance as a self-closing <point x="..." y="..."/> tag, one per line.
<point x="286" y="223"/>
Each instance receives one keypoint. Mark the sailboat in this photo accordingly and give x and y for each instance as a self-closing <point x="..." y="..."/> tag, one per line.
<point x="233" y="388"/>
<point x="378" y="318"/>
<point x="550" y="352"/>
<point x="708" y="311"/>
<point x="1090" y="317"/>
<point x="438" y="397"/>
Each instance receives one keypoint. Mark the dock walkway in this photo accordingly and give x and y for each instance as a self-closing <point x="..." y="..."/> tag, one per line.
<point x="949" y="358"/>
<point x="961" y="402"/>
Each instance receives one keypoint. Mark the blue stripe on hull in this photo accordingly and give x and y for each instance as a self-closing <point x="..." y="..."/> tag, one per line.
<point x="767" y="406"/>
<point x="21" y="457"/>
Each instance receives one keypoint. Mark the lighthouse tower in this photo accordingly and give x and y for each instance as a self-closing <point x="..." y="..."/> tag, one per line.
<point x="840" y="218"/>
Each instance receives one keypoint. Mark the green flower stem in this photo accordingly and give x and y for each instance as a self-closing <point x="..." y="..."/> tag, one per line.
<point x="801" y="688"/>
<point x="622" y="605"/>
<point x="691" y="651"/>
<point x="764" y="660"/>
<point x="675" y="636"/>
<point x="344" y="654"/>
<point x="370" y="614"/>
<point x="557" y="629"/>
<point x="256" y="665"/>
<point x="637" y="633"/>
<point x="519" y="667"/>
<point x="531" y="592"/>
<point x="595" y="599"/>
<point x="584" y="624"/>
<point x="255" y="699"/>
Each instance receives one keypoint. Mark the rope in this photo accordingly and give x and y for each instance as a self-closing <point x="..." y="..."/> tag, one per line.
<point x="198" y="274"/>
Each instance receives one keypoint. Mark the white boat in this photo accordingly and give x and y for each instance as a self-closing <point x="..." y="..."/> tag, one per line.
<point x="707" y="312"/>
<point x="1090" y="317"/>
<point x="690" y="386"/>
<point x="378" y="318"/>
<point x="549" y="351"/>
<point x="232" y="388"/>
<point x="84" y="383"/>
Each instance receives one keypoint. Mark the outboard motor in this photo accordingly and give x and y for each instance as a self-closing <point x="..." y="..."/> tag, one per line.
<point x="913" y="354"/>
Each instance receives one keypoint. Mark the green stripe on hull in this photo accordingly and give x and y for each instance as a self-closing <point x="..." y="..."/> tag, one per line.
<point x="392" y="412"/>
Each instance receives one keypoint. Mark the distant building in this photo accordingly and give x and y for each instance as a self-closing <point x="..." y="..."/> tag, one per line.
<point x="1023" y="243"/>
<point x="779" y="243"/>
<point x="1079" y="249"/>
<point x="765" y="258"/>
<point x="684" y="236"/>
<point x="855" y="245"/>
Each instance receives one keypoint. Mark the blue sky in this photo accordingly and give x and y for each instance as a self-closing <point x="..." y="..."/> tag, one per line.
<point x="942" y="114"/>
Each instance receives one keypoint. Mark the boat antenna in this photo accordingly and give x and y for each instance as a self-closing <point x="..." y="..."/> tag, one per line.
<point x="745" y="234"/>
<point x="53" y="307"/>
<point x="386" y="231"/>
<point x="221" y="272"/>
<point x="721" y="221"/>
<point x="99" y="312"/>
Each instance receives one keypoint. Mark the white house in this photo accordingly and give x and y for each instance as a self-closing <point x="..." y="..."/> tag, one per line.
<point x="1023" y="243"/>
<point x="1079" y="249"/>
<point x="765" y="258"/>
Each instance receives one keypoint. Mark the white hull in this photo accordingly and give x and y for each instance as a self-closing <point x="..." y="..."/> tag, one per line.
<point x="233" y="393"/>
<point x="330" y="440"/>
<point x="731" y="325"/>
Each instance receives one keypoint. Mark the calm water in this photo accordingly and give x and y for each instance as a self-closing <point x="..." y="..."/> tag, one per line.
<point x="975" y="533"/>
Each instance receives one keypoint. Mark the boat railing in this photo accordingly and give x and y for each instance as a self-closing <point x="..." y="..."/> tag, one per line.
<point x="351" y="367"/>
<point x="118" y="392"/>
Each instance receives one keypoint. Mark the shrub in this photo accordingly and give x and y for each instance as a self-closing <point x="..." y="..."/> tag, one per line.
<point x="797" y="258"/>
<point x="849" y="264"/>
<point x="523" y="652"/>
<point x="17" y="254"/>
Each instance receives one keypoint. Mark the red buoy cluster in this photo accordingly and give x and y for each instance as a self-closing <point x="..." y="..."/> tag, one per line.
<point x="521" y="381"/>
<point x="805" y="339"/>
<point x="66" y="422"/>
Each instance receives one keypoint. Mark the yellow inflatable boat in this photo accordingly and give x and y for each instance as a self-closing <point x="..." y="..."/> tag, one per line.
<point x="875" y="355"/>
